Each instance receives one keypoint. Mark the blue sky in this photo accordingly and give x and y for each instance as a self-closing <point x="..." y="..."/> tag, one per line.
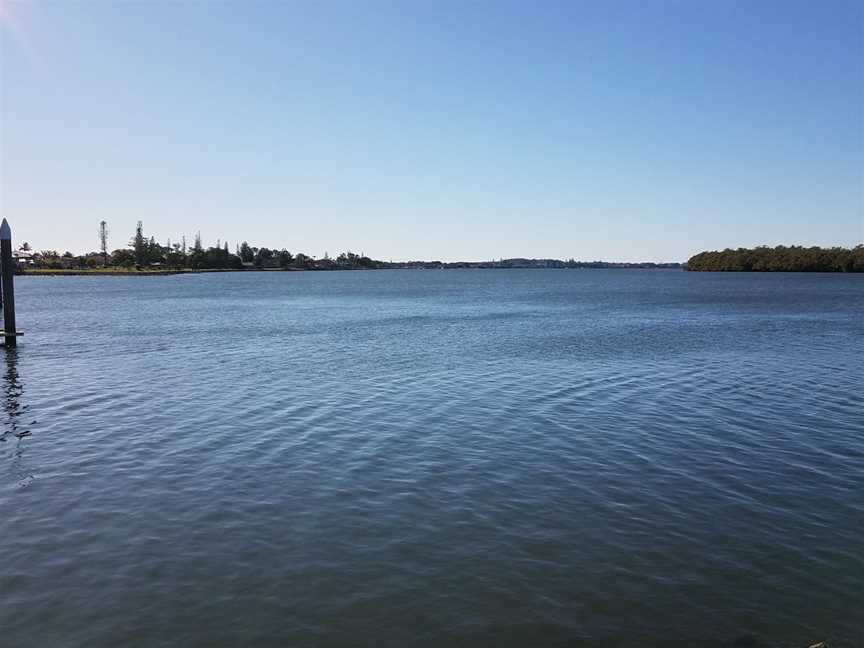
<point x="619" y="130"/>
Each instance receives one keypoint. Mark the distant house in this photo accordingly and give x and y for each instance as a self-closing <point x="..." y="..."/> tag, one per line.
<point x="324" y="264"/>
<point x="23" y="258"/>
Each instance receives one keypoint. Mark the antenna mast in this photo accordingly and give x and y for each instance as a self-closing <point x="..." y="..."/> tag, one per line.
<point x="103" y="241"/>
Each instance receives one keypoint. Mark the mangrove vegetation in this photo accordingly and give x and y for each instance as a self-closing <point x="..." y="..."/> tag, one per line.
<point x="780" y="259"/>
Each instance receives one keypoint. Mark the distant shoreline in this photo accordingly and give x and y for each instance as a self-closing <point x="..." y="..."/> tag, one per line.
<point x="98" y="272"/>
<point x="112" y="272"/>
<point x="748" y="260"/>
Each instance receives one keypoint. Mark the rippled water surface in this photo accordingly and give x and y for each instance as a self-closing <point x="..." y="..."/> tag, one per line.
<point x="450" y="458"/>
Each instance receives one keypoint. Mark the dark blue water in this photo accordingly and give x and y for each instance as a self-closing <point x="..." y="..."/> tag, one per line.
<point x="434" y="458"/>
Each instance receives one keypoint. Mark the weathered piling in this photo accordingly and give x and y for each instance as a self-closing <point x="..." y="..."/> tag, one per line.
<point x="7" y="269"/>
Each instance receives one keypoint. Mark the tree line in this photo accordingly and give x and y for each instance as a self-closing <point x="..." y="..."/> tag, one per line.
<point x="146" y="252"/>
<point x="143" y="252"/>
<point x="780" y="259"/>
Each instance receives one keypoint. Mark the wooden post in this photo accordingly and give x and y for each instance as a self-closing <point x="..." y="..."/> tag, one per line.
<point x="7" y="265"/>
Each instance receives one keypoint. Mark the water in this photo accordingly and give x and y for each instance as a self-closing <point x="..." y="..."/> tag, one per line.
<point x="434" y="458"/>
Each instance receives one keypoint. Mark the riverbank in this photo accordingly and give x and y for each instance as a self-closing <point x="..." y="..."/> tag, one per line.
<point x="132" y="272"/>
<point x="50" y="272"/>
<point x="120" y="272"/>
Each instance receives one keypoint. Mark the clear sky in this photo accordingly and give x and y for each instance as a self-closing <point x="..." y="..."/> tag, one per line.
<point x="618" y="130"/>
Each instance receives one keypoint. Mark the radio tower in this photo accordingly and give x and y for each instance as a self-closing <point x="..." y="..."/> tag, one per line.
<point x="103" y="241"/>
